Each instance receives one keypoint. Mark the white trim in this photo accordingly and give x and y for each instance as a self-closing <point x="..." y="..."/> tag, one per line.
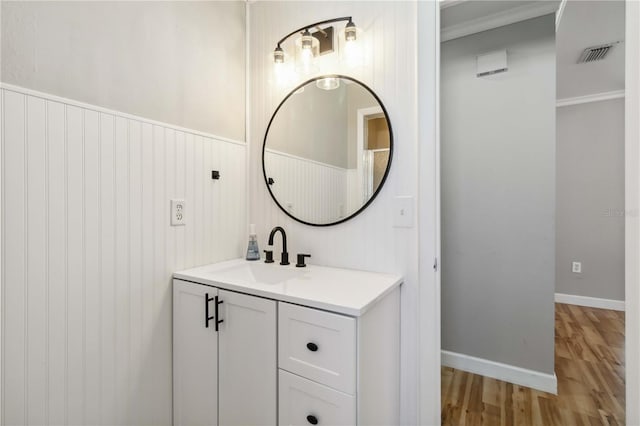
<point x="505" y="372"/>
<point x="95" y="108"/>
<point x="306" y="160"/>
<point x="428" y="228"/>
<point x="592" y="302"/>
<point x="559" y="13"/>
<point x="632" y="205"/>
<point x="507" y="17"/>
<point x="596" y="97"/>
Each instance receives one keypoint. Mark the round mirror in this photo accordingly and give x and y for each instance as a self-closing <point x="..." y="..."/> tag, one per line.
<point x="327" y="150"/>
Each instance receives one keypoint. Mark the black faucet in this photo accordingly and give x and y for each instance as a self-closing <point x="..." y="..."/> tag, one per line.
<point x="284" y="260"/>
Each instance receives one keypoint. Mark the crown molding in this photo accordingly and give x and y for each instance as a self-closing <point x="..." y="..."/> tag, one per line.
<point x="510" y="16"/>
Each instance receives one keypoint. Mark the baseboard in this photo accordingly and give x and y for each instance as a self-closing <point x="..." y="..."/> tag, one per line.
<point x="505" y="372"/>
<point x="592" y="302"/>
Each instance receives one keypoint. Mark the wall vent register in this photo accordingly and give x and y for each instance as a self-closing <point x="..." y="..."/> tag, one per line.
<point x="596" y="53"/>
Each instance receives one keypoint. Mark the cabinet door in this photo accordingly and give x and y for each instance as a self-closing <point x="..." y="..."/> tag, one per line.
<point x="248" y="372"/>
<point x="195" y="355"/>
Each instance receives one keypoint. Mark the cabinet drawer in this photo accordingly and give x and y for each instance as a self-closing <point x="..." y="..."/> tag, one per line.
<point x="318" y="345"/>
<point x="303" y="402"/>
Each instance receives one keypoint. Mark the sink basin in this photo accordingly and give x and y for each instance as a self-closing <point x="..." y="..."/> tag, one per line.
<point x="259" y="273"/>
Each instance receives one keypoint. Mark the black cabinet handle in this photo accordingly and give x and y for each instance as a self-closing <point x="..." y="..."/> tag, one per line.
<point x="312" y="419"/>
<point x="218" y="321"/>
<point x="312" y="347"/>
<point x="207" y="318"/>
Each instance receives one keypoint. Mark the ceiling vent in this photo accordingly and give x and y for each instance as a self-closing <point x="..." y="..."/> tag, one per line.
<point x="596" y="53"/>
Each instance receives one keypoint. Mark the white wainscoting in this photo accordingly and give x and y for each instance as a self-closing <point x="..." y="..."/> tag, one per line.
<point x="505" y="372"/>
<point x="88" y="253"/>
<point x="324" y="194"/>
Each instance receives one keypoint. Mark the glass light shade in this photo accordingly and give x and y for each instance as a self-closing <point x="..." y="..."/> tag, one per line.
<point x="307" y="41"/>
<point x="306" y="47"/>
<point x="278" y="55"/>
<point x="328" y="83"/>
<point x="350" y="31"/>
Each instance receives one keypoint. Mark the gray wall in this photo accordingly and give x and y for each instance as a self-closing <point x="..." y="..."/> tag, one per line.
<point x="181" y="63"/>
<point x="321" y="125"/>
<point x="498" y="197"/>
<point x="313" y="125"/>
<point x="590" y="199"/>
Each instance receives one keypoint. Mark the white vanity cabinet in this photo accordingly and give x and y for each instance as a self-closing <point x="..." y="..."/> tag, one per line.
<point x="228" y="376"/>
<point x="312" y="346"/>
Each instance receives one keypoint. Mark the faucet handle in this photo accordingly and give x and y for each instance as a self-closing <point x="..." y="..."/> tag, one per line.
<point x="268" y="256"/>
<point x="301" y="257"/>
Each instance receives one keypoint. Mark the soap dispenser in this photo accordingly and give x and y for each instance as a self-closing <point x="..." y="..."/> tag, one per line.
<point x="253" y="252"/>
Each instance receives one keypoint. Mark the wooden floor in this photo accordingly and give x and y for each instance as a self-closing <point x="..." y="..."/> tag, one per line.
<point x="589" y="367"/>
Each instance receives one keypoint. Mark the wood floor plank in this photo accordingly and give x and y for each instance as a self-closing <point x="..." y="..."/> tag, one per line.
<point x="590" y="370"/>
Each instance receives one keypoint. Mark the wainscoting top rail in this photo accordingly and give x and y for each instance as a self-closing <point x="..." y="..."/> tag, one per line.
<point x="96" y="108"/>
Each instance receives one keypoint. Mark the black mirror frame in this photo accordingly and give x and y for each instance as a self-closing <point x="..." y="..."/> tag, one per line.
<point x="386" y="172"/>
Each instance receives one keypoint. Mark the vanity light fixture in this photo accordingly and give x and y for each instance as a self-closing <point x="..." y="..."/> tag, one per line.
<point x="316" y="43"/>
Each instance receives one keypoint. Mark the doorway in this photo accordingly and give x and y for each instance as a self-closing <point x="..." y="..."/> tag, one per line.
<point x="509" y="349"/>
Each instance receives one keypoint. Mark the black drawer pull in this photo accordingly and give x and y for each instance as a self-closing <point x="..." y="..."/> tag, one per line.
<point x="312" y="347"/>
<point x="312" y="419"/>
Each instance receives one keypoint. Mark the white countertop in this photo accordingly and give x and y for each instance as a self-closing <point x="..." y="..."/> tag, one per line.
<point x="344" y="291"/>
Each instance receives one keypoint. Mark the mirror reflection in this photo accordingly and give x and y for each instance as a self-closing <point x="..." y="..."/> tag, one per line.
<point x="327" y="150"/>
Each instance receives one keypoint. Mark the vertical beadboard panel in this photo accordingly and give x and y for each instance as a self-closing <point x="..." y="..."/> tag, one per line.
<point x="145" y="314"/>
<point x="87" y="283"/>
<point x="75" y="266"/>
<point x="36" y="286"/>
<point x="91" y="277"/>
<point x="57" y="262"/>
<point x="317" y="201"/>
<point x="122" y="297"/>
<point x="14" y="301"/>
<point x="107" y="269"/>
<point x="368" y="241"/>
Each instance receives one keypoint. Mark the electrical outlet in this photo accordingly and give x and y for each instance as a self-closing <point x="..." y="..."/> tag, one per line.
<point x="177" y="212"/>
<point x="576" y="267"/>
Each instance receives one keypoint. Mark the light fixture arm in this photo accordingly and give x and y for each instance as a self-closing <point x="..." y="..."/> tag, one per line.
<point x="306" y="27"/>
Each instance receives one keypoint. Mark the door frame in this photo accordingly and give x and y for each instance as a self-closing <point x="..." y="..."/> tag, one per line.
<point x="362" y="116"/>
<point x="632" y="209"/>
<point x="428" y="158"/>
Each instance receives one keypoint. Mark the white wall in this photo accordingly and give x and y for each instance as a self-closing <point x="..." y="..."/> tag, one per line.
<point x="368" y="241"/>
<point x="177" y="62"/>
<point x="88" y="255"/>
<point x="498" y="197"/>
<point x="590" y="199"/>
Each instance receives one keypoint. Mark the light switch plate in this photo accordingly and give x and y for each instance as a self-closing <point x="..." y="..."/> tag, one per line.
<point x="403" y="212"/>
<point x="177" y="212"/>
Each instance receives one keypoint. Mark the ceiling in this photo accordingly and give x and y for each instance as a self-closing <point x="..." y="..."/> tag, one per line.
<point x="584" y="24"/>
